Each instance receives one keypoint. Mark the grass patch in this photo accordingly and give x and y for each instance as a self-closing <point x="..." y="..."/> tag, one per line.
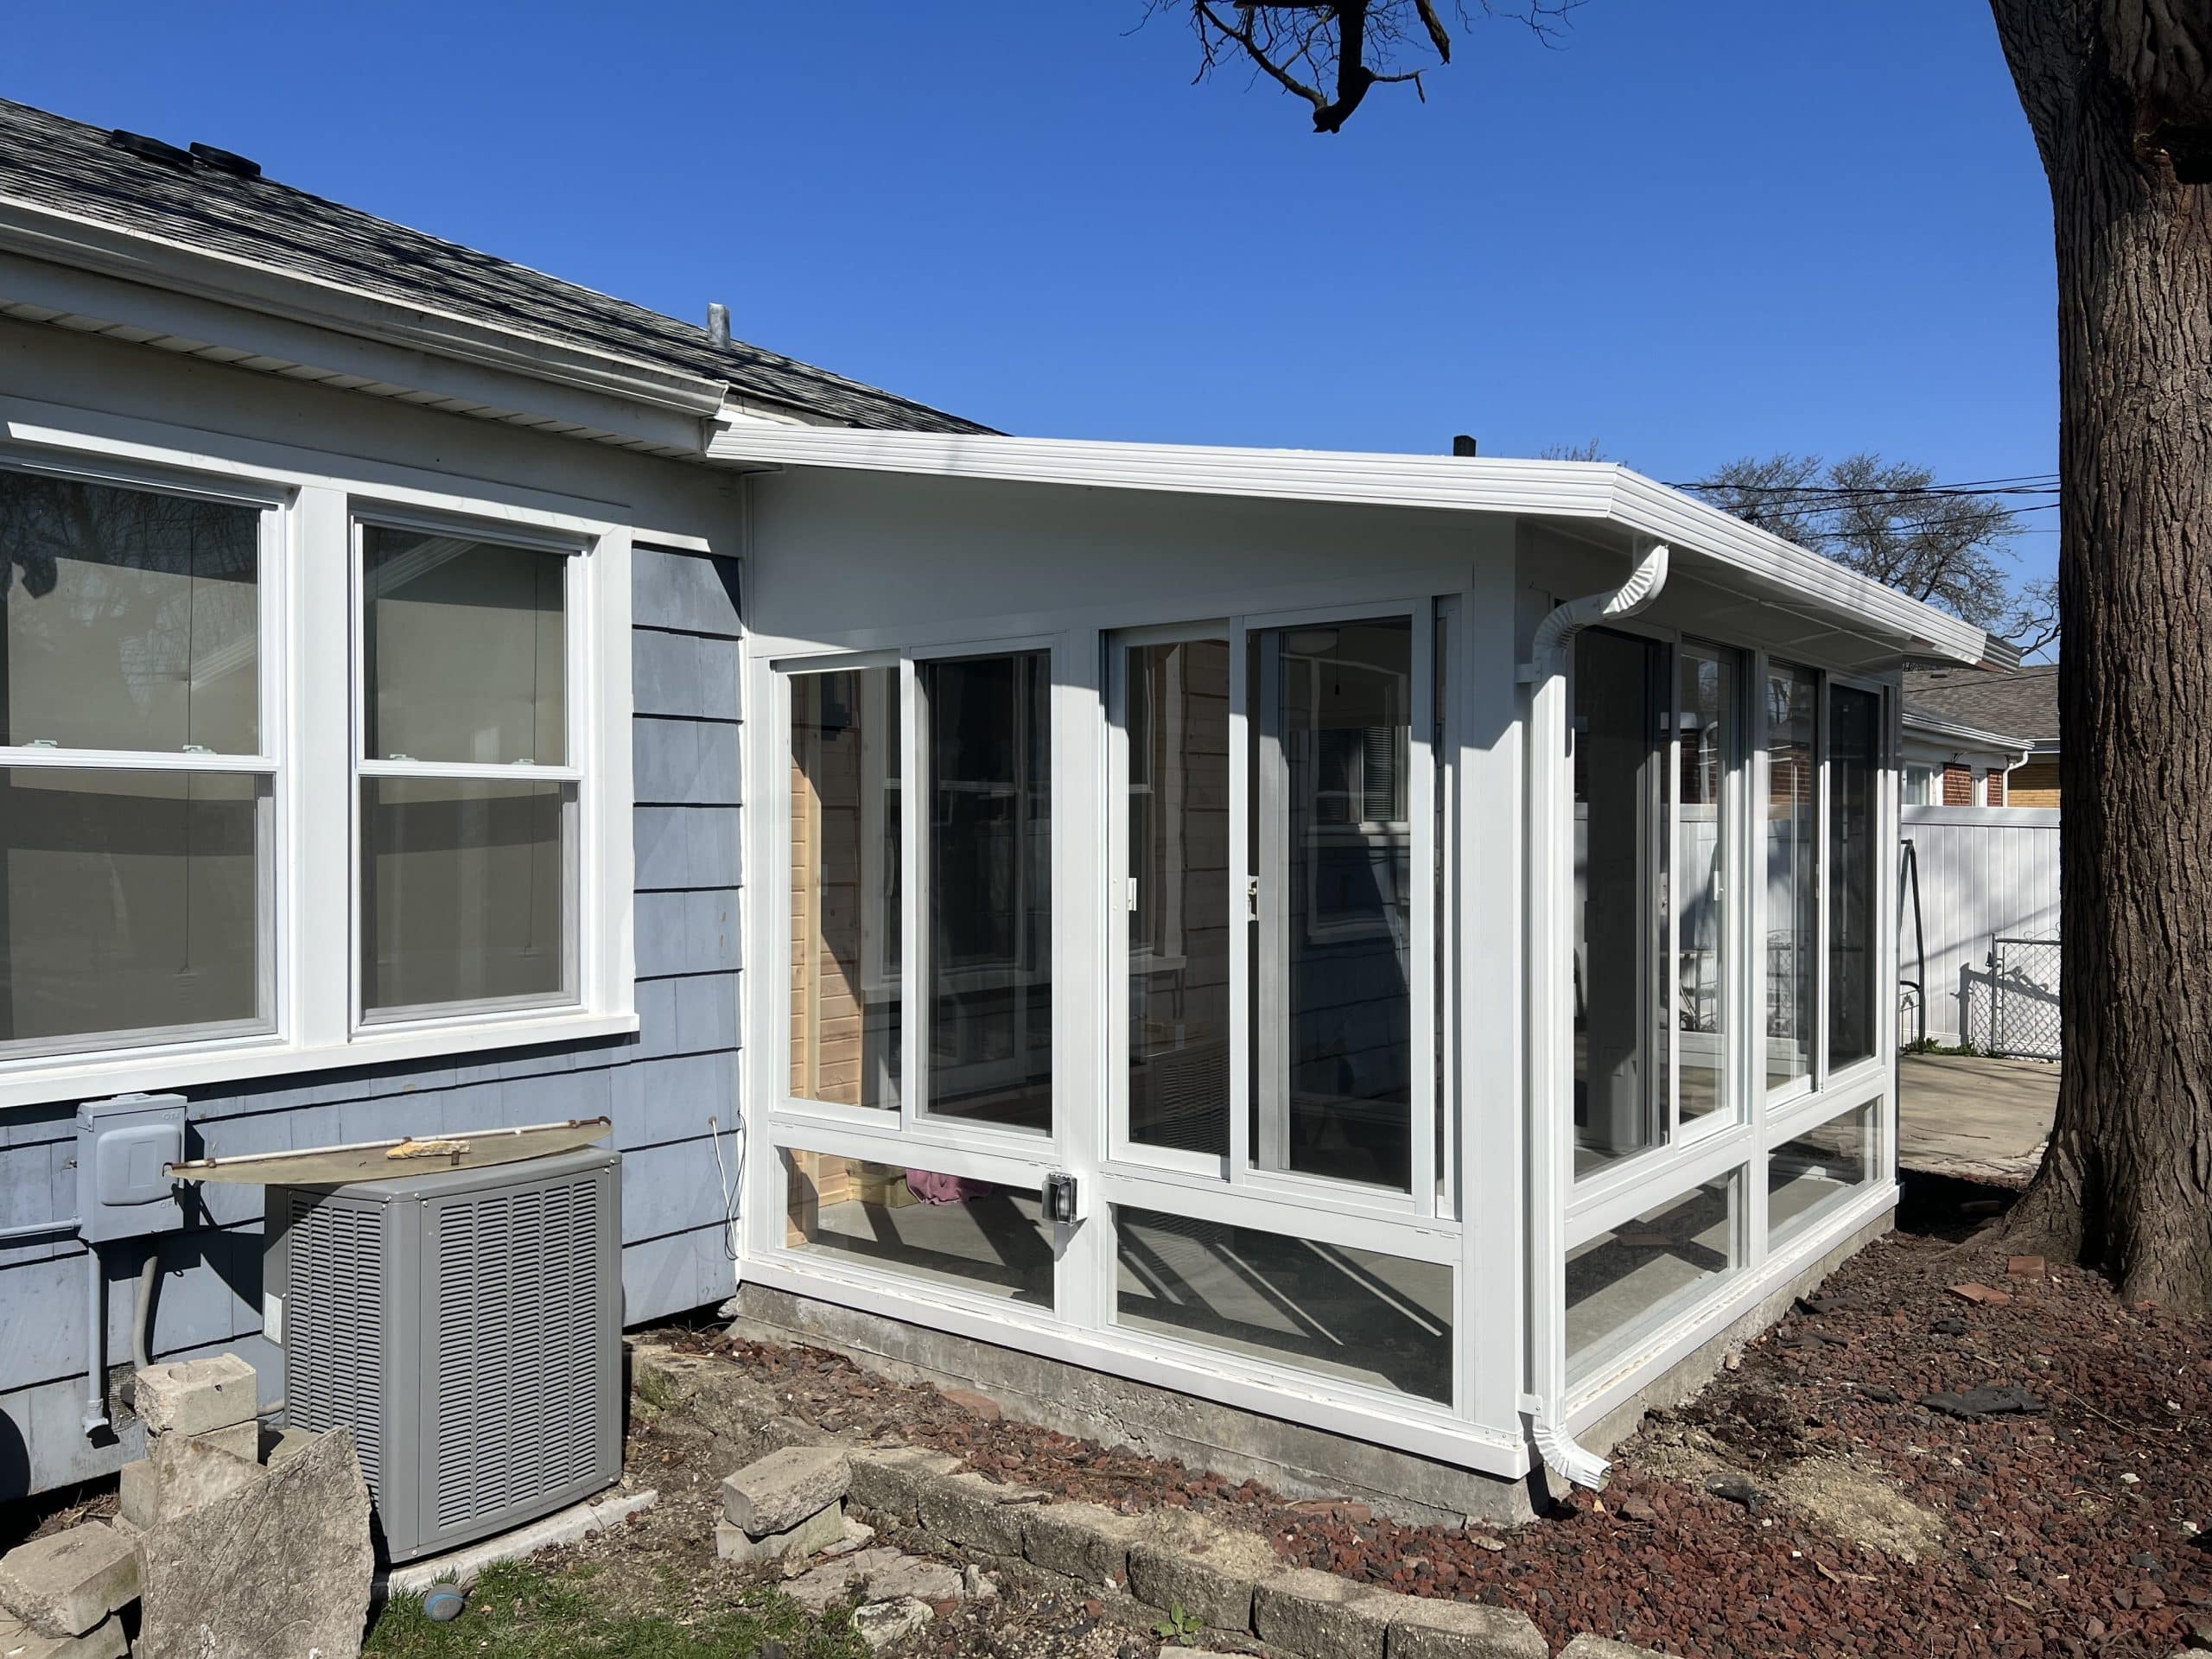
<point x="516" y="1610"/>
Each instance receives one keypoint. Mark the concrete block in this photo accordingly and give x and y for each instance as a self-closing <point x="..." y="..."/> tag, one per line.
<point x="1210" y="1574"/>
<point x="193" y="1396"/>
<point x="180" y="1473"/>
<point x="104" y="1641"/>
<point x="1599" y="1647"/>
<point x="777" y="1492"/>
<point x="1319" y="1615"/>
<point x="1424" y="1628"/>
<point x="464" y="1566"/>
<point x="874" y="1575"/>
<point x="239" y="1439"/>
<point x="884" y="1623"/>
<point x="284" y="1443"/>
<point x="971" y="1510"/>
<point x="282" y="1567"/>
<point x="792" y="1546"/>
<point x="1081" y="1540"/>
<point x="66" y="1583"/>
<point x="889" y="1482"/>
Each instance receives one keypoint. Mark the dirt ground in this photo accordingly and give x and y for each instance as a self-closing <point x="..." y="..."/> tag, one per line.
<point x="1810" y="1502"/>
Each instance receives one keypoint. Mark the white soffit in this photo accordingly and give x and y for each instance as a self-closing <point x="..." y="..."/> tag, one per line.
<point x="1739" y="555"/>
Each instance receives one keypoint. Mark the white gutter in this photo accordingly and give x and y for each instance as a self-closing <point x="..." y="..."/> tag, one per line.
<point x="1550" y="951"/>
<point x="1699" y="532"/>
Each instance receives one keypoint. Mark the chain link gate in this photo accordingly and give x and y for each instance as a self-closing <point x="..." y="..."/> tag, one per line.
<point x="2023" y="997"/>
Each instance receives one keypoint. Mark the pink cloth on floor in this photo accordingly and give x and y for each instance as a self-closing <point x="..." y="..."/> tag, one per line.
<point x="932" y="1188"/>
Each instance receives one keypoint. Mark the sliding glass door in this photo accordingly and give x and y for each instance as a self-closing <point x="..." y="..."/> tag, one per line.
<point x="1275" y="958"/>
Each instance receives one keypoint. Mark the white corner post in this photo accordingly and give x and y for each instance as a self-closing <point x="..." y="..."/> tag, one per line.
<point x="1550" y="1001"/>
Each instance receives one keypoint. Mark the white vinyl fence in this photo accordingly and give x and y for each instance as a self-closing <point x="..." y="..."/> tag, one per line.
<point x="1985" y="950"/>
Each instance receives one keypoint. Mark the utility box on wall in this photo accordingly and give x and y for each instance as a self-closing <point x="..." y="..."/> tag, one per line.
<point x="124" y="1147"/>
<point x="467" y="1327"/>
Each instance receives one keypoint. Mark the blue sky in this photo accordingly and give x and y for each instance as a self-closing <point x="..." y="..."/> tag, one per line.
<point x="1699" y="230"/>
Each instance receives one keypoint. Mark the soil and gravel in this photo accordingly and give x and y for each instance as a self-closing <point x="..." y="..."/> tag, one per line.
<point x="1807" y="1502"/>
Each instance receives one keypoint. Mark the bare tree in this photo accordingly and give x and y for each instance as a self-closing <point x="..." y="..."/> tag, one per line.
<point x="1333" y="54"/>
<point x="1588" y="450"/>
<point x="1946" y="546"/>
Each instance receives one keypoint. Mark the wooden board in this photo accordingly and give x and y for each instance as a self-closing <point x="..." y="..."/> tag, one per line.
<point x="371" y="1161"/>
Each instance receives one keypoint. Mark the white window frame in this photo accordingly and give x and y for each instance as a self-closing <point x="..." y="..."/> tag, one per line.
<point x="569" y="776"/>
<point x="271" y="823"/>
<point x="310" y="500"/>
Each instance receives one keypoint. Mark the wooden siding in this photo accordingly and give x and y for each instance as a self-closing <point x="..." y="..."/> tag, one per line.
<point x="660" y="1088"/>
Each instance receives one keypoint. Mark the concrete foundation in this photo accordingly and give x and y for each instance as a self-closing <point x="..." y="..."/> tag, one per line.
<point x="1293" y="1457"/>
<point x="1236" y="1444"/>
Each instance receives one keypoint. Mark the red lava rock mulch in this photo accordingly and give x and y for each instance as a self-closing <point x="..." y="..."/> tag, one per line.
<point x="2068" y="1529"/>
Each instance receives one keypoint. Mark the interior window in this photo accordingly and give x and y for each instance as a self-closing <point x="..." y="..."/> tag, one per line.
<point x="1792" y="874"/>
<point x="989" y="862"/>
<point x="1331" y="845"/>
<point x="844" y="887"/>
<point x="1176" y="704"/>
<point x="467" y="883"/>
<point x="131" y="898"/>
<point x="1707" y="741"/>
<point x="1854" y="757"/>
<point x="1620" y="916"/>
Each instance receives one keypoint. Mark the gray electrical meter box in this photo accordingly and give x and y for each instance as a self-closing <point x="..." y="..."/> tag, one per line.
<point x="124" y="1147"/>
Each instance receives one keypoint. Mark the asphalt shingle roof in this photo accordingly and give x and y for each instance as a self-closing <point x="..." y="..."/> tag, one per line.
<point x="2021" y="702"/>
<point x="65" y="165"/>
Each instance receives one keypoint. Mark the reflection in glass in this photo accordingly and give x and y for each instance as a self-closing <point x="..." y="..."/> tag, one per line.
<point x="1812" y="1175"/>
<point x="131" y="903"/>
<point x="845" y="895"/>
<point x="463" y="888"/>
<point x="1179" y="912"/>
<point x="464" y="648"/>
<point x="1330" y="1309"/>
<point x="1332" y="833"/>
<point x="1854" y="754"/>
<point x="1792" y="895"/>
<point x="1706" y="756"/>
<point x="1625" y="1283"/>
<point x="1620" y="916"/>
<point x="976" y="1235"/>
<point x="988" y="860"/>
<point x="131" y="618"/>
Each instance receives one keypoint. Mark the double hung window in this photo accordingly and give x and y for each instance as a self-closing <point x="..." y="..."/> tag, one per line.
<point x="264" y="805"/>
<point x="467" y="798"/>
<point x="136" y="777"/>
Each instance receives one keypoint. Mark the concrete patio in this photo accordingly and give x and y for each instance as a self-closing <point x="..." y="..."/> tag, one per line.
<point x="1974" y="1119"/>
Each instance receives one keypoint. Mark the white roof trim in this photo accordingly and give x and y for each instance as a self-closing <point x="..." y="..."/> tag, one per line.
<point x="70" y="239"/>
<point x="1556" y="489"/>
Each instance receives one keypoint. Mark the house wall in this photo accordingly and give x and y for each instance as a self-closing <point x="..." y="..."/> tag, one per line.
<point x="2035" y="784"/>
<point x="660" y="1086"/>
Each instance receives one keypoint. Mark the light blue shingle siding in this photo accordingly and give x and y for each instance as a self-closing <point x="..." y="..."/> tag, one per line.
<point x="660" y="1088"/>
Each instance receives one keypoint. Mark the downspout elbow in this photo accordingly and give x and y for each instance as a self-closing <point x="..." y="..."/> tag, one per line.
<point x="1547" y="651"/>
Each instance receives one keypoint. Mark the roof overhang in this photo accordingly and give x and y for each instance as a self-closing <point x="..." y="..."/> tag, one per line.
<point x="1934" y="727"/>
<point x="1705" y="539"/>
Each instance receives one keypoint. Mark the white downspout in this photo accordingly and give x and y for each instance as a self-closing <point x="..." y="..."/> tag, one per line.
<point x="1550" y="953"/>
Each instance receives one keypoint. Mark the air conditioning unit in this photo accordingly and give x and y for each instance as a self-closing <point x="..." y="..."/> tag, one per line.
<point x="467" y="1327"/>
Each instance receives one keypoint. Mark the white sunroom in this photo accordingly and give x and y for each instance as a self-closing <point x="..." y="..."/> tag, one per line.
<point x="1399" y="945"/>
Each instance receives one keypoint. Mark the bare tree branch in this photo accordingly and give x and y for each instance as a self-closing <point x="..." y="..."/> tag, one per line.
<point x="1333" y="52"/>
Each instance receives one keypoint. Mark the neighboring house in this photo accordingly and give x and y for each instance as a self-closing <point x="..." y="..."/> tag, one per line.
<point x="1981" y="736"/>
<point x="1193" y="916"/>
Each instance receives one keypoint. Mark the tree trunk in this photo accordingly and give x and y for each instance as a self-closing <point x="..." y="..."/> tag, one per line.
<point x="2117" y="95"/>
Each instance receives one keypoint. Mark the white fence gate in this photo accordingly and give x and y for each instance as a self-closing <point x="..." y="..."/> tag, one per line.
<point x="1981" y="939"/>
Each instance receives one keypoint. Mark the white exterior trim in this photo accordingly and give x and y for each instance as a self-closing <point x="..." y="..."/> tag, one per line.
<point x="1551" y="489"/>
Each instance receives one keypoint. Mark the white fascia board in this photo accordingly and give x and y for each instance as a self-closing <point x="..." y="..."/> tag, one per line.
<point x="1724" y="545"/>
<point x="83" y="244"/>
<point x="1970" y="736"/>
